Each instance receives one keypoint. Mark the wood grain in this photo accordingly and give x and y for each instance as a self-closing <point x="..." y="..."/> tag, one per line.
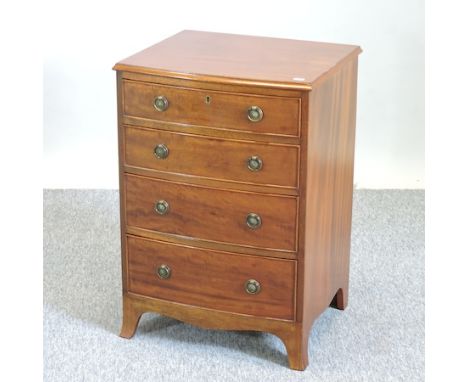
<point x="224" y="110"/>
<point x="212" y="183"/>
<point x="212" y="279"/>
<point x="211" y="244"/>
<point x="212" y="158"/>
<point x="121" y="153"/>
<point x="228" y="58"/>
<point x="212" y="85"/>
<point x="211" y="214"/>
<point x="329" y="192"/>
<point x="209" y="131"/>
<point x="291" y="333"/>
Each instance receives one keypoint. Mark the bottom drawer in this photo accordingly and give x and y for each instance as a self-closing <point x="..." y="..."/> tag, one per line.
<point x="218" y="280"/>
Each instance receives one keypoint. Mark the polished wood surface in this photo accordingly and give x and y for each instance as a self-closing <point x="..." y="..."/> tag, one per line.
<point x="210" y="131"/>
<point x="290" y="333"/>
<point x="212" y="214"/>
<point x="194" y="155"/>
<point x="212" y="279"/>
<point x="211" y="244"/>
<point x="228" y="58"/>
<point x="211" y="182"/>
<point x="329" y="193"/>
<point x="304" y="199"/>
<point x="121" y="144"/>
<point x="222" y="110"/>
<point x="223" y="86"/>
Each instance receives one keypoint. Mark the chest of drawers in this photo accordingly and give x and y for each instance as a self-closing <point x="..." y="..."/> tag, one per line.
<point x="236" y="180"/>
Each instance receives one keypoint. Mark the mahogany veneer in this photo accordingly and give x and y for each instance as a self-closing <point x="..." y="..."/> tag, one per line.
<point x="236" y="179"/>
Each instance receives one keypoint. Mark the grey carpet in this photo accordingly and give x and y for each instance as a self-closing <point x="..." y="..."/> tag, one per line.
<point x="380" y="337"/>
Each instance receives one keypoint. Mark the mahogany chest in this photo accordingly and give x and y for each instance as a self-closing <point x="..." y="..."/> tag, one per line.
<point x="236" y="182"/>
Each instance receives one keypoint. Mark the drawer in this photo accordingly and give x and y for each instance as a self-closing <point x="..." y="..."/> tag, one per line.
<point x="216" y="280"/>
<point x="213" y="158"/>
<point x="281" y="115"/>
<point x="211" y="214"/>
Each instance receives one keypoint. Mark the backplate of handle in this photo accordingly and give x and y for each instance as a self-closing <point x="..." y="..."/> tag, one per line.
<point x="161" y="103"/>
<point x="254" y="114"/>
<point x="161" y="207"/>
<point x="254" y="163"/>
<point x="163" y="272"/>
<point x="161" y="151"/>
<point x="252" y="286"/>
<point x="253" y="221"/>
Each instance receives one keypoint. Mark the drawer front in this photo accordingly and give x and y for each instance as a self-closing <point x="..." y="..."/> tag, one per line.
<point x="212" y="158"/>
<point x="211" y="214"/>
<point x="211" y="279"/>
<point x="219" y="110"/>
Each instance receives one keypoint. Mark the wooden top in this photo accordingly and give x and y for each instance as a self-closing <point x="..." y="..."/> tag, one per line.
<point x="236" y="59"/>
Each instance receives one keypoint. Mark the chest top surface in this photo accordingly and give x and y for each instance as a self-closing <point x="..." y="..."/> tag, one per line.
<point x="241" y="59"/>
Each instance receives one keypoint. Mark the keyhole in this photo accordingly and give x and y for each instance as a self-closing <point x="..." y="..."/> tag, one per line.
<point x="207" y="100"/>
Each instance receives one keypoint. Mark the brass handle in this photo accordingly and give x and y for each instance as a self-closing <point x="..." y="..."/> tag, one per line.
<point x="161" y="207"/>
<point x="254" y="114"/>
<point x="253" y="221"/>
<point x="254" y="163"/>
<point x="161" y="103"/>
<point x="252" y="286"/>
<point x="161" y="151"/>
<point x="164" y="272"/>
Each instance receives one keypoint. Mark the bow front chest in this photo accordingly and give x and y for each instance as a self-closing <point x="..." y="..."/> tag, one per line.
<point x="236" y="181"/>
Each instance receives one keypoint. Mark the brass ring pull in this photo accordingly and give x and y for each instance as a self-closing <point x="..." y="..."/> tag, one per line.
<point x="253" y="221"/>
<point x="252" y="286"/>
<point x="161" y="207"/>
<point x="161" y="151"/>
<point x="255" y="114"/>
<point x="254" y="163"/>
<point x="163" y="272"/>
<point x="160" y="103"/>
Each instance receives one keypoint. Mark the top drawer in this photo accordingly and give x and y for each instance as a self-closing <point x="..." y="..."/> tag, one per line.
<point x="277" y="115"/>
